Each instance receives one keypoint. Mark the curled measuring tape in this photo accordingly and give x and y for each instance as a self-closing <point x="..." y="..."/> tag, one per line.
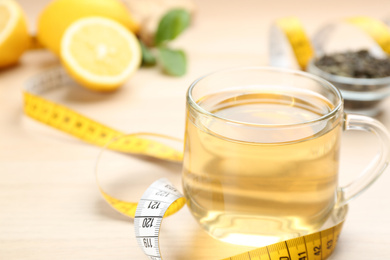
<point x="289" y="30"/>
<point x="161" y="198"/>
<point x="150" y="211"/>
<point x="376" y="30"/>
<point x="88" y="130"/>
<point x="161" y="194"/>
<point x="288" y="35"/>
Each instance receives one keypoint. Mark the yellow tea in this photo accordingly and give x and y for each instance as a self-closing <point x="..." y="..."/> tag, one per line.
<point x="253" y="172"/>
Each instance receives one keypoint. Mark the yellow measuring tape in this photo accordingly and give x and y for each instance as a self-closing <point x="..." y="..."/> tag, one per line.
<point x="161" y="194"/>
<point x="378" y="30"/>
<point x="300" y="43"/>
<point x="88" y="130"/>
<point x="297" y="38"/>
<point x="314" y="246"/>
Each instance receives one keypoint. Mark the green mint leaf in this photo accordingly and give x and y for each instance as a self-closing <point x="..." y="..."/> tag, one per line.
<point x="173" y="62"/>
<point x="171" y="25"/>
<point x="148" y="59"/>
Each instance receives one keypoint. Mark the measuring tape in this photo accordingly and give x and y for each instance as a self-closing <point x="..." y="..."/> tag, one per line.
<point x="161" y="194"/>
<point x="88" y="130"/>
<point x="161" y="199"/>
<point x="291" y="31"/>
<point x="151" y="209"/>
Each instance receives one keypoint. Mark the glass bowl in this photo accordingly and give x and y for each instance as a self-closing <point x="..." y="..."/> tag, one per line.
<point x="361" y="95"/>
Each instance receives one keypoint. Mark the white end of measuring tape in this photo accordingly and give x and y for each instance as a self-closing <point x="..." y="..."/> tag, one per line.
<point x="149" y="214"/>
<point x="280" y="51"/>
<point x="52" y="79"/>
<point x="287" y="36"/>
<point x="331" y="38"/>
<point x="321" y="38"/>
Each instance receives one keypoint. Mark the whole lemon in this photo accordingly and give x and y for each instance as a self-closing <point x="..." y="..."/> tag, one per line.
<point x="59" y="14"/>
<point x="14" y="36"/>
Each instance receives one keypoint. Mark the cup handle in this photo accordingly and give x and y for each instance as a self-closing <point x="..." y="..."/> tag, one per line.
<point x="376" y="166"/>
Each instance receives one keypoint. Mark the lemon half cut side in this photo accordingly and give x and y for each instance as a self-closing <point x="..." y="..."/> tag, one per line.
<point x="100" y="53"/>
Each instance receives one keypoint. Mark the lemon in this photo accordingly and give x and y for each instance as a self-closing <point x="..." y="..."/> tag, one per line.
<point x="100" y="53"/>
<point x="59" y="14"/>
<point x="14" y="37"/>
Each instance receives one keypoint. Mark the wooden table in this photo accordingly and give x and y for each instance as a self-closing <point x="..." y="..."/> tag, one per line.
<point x="50" y="207"/>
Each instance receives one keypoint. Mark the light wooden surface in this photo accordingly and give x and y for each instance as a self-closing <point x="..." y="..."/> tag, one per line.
<point x="50" y="207"/>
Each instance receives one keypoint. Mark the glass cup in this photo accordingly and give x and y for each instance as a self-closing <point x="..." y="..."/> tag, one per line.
<point x="261" y="154"/>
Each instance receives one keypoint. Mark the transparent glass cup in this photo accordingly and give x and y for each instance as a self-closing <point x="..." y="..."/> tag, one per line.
<point x="261" y="154"/>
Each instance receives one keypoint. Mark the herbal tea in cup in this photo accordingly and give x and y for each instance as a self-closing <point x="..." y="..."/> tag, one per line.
<point x="261" y="154"/>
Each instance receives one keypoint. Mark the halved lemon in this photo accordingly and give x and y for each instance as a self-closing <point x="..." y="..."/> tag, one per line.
<point x="14" y="37"/>
<point x="99" y="53"/>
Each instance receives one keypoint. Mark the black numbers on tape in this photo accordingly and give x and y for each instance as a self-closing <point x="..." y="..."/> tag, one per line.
<point x="170" y="187"/>
<point x="162" y="193"/>
<point x="154" y="205"/>
<point x="147" y="242"/>
<point x="302" y="256"/>
<point x="317" y="250"/>
<point x="147" y="222"/>
<point x="329" y="244"/>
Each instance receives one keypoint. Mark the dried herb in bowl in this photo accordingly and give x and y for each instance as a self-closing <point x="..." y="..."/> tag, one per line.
<point x="363" y="79"/>
<point x="355" y="64"/>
